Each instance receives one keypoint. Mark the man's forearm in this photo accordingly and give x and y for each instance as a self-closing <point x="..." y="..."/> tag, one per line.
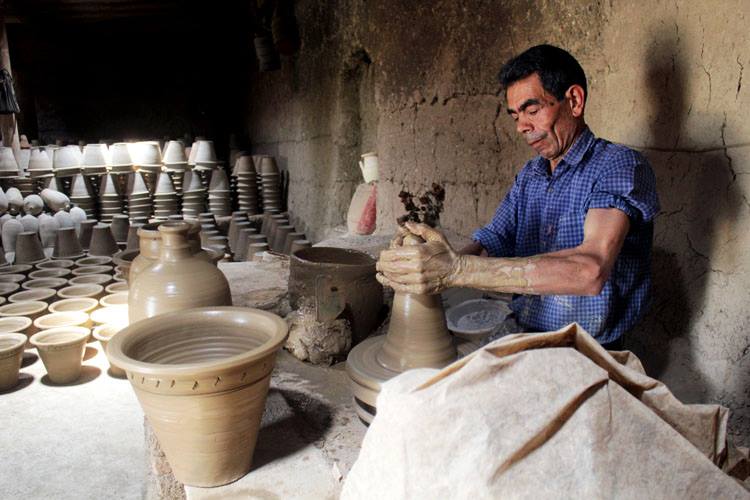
<point x="473" y="248"/>
<point x="549" y="274"/>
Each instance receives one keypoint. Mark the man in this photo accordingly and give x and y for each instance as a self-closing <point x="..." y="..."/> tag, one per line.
<point x="572" y="239"/>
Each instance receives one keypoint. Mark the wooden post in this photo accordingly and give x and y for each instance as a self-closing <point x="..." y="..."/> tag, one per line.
<point x="8" y="125"/>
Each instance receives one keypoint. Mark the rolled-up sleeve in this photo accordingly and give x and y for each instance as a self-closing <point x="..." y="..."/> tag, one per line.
<point x="498" y="237"/>
<point x="628" y="185"/>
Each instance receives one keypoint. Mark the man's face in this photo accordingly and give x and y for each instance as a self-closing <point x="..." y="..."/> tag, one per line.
<point x="547" y="125"/>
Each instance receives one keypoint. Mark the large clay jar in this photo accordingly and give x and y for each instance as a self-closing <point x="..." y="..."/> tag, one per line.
<point x="11" y="355"/>
<point x="180" y="280"/>
<point x="61" y="350"/>
<point x="337" y="282"/>
<point x="149" y="245"/>
<point x="201" y="377"/>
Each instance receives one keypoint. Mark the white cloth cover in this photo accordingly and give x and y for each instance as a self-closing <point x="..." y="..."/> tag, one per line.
<point x="546" y="415"/>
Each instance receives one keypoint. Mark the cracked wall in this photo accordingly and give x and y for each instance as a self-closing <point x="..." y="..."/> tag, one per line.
<point x="669" y="84"/>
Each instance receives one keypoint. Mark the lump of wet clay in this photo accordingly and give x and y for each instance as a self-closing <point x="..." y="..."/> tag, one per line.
<point x="317" y="342"/>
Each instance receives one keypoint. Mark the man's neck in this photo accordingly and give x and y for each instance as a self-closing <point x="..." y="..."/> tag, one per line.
<point x="554" y="162"/>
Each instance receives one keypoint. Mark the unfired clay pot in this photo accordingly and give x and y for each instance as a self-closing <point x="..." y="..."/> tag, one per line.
<point x="149" y="244"/>
<point x="115" y="299"/>
<point x="82" y="304"/>
<point x="86" y="270"/>
<point x="104" y="333"/>
<point x="116" y="288"/>
<point x="180" y="280"/>
<point x="41" y="294"/>
<point x="49" y="273"/>
<point x="86" y="290"/>
<point x="31" y="309"/>
<point x="61" y="319"/>
<point x="337" y="281"/>
<point x="15" y="324"/>
<point x="102" y="241"/>
<point x="61" y="350"/>
<point x="56" y="264"/>
<point x="93" y="261"/>
<point x="45" y="283"/>
<point x="8" y="288"/>
<point x="91" y="279"/>
<point x="212" y="368"/>
<point x="13" y="278"/>
<point x="11" y="356"/>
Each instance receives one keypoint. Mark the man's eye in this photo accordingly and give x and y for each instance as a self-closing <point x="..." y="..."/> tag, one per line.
<point x="533" y="111"/>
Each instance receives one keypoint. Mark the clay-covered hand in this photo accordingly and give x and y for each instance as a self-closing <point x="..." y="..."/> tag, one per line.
<point x="424" y="268"/>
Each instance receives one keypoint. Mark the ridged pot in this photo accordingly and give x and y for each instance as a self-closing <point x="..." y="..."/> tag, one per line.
<point x="11" y="356"/>
<point x="61" y="350"/>
<point x="180" y="280"/>
<point x="201" y="377"/>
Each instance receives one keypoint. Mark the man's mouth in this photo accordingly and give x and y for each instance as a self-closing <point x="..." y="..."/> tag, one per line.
<point x="533" y="138"/>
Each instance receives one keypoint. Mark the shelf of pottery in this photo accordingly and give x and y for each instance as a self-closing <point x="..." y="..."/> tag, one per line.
<point x="142" y="180"/>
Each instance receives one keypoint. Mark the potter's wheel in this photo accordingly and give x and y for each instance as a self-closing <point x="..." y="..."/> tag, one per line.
<point x="366" y="374"/>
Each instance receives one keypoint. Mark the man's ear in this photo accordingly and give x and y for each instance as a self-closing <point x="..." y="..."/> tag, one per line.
<point x="576" y="100"/>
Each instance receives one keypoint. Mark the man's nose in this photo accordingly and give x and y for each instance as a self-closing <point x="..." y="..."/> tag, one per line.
<point x="523" y="126"/>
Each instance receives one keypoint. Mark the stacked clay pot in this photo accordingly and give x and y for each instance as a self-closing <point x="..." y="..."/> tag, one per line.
<point x="212" y="367"/>
<point x="179" y="280"/>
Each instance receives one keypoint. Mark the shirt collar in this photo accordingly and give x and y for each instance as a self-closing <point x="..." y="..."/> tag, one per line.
<point x="572" y="157"/>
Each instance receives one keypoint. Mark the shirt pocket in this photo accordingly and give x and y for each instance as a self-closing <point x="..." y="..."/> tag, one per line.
<point x="569" y="230"/>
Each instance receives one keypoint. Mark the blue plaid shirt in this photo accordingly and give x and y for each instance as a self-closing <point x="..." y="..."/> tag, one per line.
<point x="544" y="213"/>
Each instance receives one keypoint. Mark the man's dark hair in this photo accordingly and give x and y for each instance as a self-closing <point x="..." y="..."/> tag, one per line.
<point x="557" y="70"/>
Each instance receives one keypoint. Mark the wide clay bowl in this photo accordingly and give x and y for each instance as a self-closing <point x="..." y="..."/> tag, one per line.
<point x="212" y="367"/>
<point x="82" y="304"/>
<point x="115" y="299"/>
<point x="8" y="288"/>
<point x="31" y="309"/>
<point x="12" y="278"/>
<point x="56" y="264"/>
<point x="104" y="333"/>
<point x="16" y="269"/>
<point x="91" y="279"/>
<point x="61" y="350"/>
<point x="11" y="356"/>
<point x="85" y="270"/>
<point x="15" y="324"/>
<point x="45" y="283"/>
<point x="43" y="294"/>
<point x="85" y="290"/>
<point x="47" y="273"/>
<point x="93" y="261"/>
<point x="61" y="319"/>
<point x="116" y="288"/>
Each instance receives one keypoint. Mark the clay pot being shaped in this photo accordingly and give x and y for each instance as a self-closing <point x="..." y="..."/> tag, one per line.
<point x="67" y="245"/>
<point x="180" y="280"/>
<point x="102" y="241"/>
<point x="29" y="249"/>
<point x="61" y="350"/>
<point x="55" y="200"/>
<point x="104" y="333"/>
<point x="11" y="356"/>
<point x="85" y="229"/>
<point x="212" y="367"/>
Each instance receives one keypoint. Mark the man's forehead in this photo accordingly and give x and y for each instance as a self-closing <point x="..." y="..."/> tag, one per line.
<point x="523" y="90"/>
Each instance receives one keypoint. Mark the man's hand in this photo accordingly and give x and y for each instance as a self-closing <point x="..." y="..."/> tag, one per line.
<point x="425" y="268"/>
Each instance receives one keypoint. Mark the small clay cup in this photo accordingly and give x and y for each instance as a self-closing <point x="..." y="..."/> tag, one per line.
<point x="116" y="288"/>
<point x="115" y="315"/>
<point x="82" y="304"/>
<point x="67" y="245"/>
<point x="54" y="283"/>
<point x="120" y="227"/>
<point x="87" y="290"/>
<point x="104" y="333"/>
<point x="61" y="350"/>
<point x="86" y="270"/>
<point x="12" y="278"/>
<point x="93" y="261"/>
<point x="115" y="299"/>
<point x="8" y="288"/>
<point x="31" y="309"/>
<point x="133" y="241"/>
<point x="299" y="245"/>
<point x="47" y="295"/>
<point x="91" y="279"/>
<point x="61" y="319"/>
<point x="55" y="264"/>
<point x="15" y="324"/>
<point x="17" y="269"/>
<point x="11" y="356"/>
<point x="291" y="237"/>
<point x="49" y="273"/>
<point x="103" y="241"/>
<point x="217" y="383"/>
<point x="85" y="230"/>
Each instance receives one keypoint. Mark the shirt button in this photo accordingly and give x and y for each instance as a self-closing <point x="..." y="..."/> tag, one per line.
<point x="549" y="189"/>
